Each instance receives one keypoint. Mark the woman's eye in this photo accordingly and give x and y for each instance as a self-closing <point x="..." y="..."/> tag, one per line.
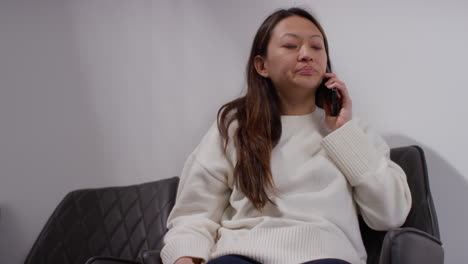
<point x="294" y="46"/>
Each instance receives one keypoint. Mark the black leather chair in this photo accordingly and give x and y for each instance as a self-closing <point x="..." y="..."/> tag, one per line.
<point x="126" y="224"/>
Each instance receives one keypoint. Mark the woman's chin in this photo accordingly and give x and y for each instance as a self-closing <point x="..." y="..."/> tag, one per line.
<point x="307" y="86"/>
<point x="307" y="83"/>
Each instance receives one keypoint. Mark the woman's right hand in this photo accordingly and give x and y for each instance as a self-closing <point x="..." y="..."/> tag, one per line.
<point x="188" y="260"/>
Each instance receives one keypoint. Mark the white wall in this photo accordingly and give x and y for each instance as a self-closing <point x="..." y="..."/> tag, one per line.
<point x="100" y="93"/>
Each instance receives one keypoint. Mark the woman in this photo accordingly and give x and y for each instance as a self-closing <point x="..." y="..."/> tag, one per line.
<point x="278" y="179"/>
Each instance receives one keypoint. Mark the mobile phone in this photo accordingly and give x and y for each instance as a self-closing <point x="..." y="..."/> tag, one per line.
<point x="329" y="96"/>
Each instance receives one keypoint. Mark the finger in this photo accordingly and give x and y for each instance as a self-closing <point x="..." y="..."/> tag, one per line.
<point x="343" y="94"/>
<point x="343" y="89"/>
<point x="329" y="81"/>
<point x="334" y="83"/>
<point x="345" y="97"/>
<point x="329" y="75"/>
<point x="334" y="79"/>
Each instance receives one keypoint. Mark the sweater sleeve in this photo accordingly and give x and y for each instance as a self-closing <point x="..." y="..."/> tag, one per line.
<point x="202" y="197"/>
<point x="380" y="186"/>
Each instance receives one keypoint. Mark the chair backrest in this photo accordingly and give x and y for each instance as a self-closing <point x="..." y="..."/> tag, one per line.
<point x="114" y="221"/>
<point x="422" y="215"/>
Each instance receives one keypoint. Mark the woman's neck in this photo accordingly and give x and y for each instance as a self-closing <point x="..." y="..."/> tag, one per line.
<point x="303" y="108"/>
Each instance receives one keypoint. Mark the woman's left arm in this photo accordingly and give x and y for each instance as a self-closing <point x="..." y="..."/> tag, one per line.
<point x="380" y="186"/>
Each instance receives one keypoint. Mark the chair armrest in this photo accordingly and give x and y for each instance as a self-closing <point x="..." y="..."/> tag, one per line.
<point x="409" y="246"/>
<point x="109" y="260"/>
<point x="151" y="257"/>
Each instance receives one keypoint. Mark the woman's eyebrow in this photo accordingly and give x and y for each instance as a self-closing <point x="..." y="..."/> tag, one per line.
<point x="296" y="36"/>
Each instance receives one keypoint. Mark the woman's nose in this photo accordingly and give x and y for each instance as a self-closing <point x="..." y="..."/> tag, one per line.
<point x="305" y="53"/>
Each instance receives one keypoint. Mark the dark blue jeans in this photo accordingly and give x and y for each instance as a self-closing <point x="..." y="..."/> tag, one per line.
<point x="238" y="259"/>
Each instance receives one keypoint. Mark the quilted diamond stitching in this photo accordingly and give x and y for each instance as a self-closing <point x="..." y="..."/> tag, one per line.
<point x="115" y="221"/>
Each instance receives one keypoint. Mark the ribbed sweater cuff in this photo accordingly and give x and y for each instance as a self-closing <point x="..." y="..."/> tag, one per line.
<point x="191" y="247"/>
<point x="352" y="151"/>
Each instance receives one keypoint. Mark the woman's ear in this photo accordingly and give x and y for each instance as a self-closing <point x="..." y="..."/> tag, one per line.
<point x="260" y="66"/>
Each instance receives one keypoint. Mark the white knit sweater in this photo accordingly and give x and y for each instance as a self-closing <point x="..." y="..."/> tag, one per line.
<point x="325" y="179"/>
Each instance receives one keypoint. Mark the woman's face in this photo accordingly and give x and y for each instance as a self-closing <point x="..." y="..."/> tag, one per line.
<point x="295" y="42"/>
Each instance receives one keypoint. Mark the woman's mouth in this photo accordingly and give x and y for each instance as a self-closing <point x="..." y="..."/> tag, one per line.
<point x="307" y="71"/>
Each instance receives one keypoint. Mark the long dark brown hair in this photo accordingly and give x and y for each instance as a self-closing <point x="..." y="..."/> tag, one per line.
<point x="258" y="115"/>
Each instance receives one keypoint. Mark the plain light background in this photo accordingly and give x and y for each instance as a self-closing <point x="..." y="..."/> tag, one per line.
<point x="114" y="92"/>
